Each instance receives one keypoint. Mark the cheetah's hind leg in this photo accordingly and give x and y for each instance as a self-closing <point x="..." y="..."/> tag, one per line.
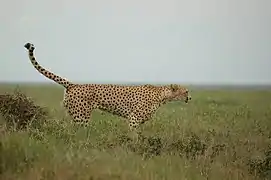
<point x="80" y="113"/>
<point x="64" y="110"/>
<point x="135" y="130"/>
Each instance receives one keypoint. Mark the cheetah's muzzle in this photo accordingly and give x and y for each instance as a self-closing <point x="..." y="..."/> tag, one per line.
<point x="187" y="99"/>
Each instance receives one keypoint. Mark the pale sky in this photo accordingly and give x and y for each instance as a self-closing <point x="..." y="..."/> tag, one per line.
<point x="192" y="41"/>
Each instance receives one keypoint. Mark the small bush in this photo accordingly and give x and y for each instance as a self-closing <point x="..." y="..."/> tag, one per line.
<point x="19" y="110"/>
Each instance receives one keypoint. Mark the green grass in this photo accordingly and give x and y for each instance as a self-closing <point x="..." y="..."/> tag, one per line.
<point x="219" y="135"/>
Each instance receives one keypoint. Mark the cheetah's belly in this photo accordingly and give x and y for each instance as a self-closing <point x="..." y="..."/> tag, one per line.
<point x="116" y="109"/>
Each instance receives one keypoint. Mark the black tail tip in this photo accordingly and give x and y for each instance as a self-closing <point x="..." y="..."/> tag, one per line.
<point x="29" y="46"/>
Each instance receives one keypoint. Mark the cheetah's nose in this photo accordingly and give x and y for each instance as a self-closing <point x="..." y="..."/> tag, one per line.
<point x="187" y="99"/>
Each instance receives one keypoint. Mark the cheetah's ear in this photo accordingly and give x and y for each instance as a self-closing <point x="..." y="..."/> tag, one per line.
<point x="174" y="87"/>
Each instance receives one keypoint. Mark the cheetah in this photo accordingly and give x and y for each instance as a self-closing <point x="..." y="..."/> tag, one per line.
<point x="135" y="103"/>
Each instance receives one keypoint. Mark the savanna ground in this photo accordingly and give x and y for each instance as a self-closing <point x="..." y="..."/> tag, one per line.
<point x="221" y="134"/>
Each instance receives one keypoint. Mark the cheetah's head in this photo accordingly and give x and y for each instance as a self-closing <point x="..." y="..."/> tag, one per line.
<point x="178" y="93"/>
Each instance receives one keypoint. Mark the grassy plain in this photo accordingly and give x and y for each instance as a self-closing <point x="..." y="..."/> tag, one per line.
<point x="221" y="134"/>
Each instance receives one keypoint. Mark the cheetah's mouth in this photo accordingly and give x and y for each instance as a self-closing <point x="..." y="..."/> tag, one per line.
<point x="187" y="99"/>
